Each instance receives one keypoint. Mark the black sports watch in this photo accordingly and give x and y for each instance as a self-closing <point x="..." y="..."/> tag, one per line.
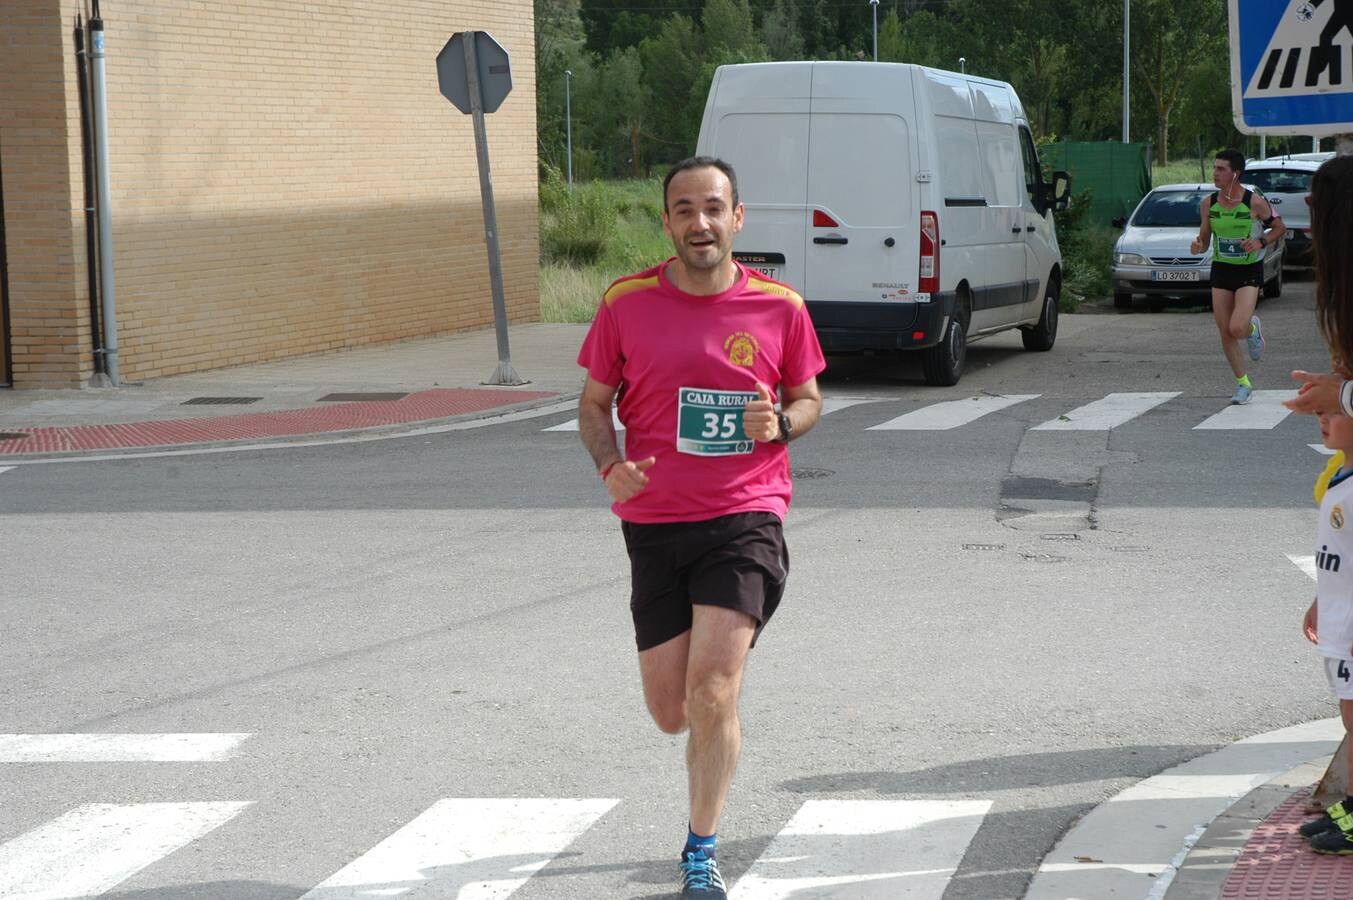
<point x="786" y="428"/>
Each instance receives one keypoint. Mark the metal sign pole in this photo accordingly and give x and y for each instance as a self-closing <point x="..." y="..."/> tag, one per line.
<point x="504" y="374"/>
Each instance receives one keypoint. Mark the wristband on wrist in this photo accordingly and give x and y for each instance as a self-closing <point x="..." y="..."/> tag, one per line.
<point x="607" y="470"/>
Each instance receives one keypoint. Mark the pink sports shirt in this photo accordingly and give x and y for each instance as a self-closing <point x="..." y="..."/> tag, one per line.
<point x="676" y="359"/>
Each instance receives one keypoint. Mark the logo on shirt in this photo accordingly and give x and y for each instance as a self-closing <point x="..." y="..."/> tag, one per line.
<point x="1337" y="517"/>
<point x="742" y="349"/>
<point x="1326" y="560"/>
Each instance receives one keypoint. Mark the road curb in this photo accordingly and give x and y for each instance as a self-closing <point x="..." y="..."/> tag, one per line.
<point x="506" y="413"/>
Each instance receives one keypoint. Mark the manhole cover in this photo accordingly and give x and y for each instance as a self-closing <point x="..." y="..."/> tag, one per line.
<point x="14" y="436"/>
<point x="811" y="473"/>
<point x="358" y="398"/>
<point x="220" y="401"/>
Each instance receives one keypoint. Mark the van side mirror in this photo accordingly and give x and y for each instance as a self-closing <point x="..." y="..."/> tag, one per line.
<point x="1119" y="222"/>
<point x="1061" y="190"/>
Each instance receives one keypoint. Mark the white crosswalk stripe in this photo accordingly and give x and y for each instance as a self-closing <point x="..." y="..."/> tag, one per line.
<point x="54" y="748"/>
<point x="1264" y="411"/>
<point x="4" y="469"/>
<point x="96" y="847"/>
<point x="950" y="413"/>
<point x="469" y="849"/>
<point x="1107" y="413"/>
<point x="865" y="850"/>
<point x="1305" y="564"/>
<point x="572" y="424"/>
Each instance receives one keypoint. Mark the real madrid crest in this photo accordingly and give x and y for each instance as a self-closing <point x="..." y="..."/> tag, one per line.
<point x="742" y="349"/>
<point x="1337" y="517"/>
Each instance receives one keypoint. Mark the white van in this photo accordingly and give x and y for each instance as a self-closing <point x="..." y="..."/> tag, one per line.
<point x="906" y="204"/>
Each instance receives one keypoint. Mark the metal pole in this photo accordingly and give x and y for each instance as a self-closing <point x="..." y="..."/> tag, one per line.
<point x="96" y="83"/>
<point x="504" y="374"/>
<point x="875" y="5"/>
<point x="1263" y="146"/>
<point x="963" y="65"/>
<point x="1127" y="19"/>
<point x="568" y="121"/>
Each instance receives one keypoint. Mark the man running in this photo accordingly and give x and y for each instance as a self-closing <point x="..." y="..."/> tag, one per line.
<point x="699" y="349"/>
<point x="1238" y="224"/>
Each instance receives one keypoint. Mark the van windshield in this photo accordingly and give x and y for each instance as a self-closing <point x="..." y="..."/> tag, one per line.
<point x="1169" y="209"/>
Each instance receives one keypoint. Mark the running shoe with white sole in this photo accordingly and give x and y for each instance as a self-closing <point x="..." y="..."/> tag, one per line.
<point x="1256" y="339"/>
<point x="1242" y="395"/>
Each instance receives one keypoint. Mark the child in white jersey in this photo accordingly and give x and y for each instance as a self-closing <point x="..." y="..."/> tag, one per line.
<point x="1329" y="621"/>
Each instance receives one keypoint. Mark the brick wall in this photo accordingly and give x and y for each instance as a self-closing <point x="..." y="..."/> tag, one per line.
<point x="286" y="179"/>
<point x="43" y="195"/>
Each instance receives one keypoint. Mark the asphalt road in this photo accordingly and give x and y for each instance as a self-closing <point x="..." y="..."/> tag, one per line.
<point x="1028" y="617"/>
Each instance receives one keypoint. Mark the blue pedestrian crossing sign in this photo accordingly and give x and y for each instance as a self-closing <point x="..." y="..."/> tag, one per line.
<point x="1292" y="66"/>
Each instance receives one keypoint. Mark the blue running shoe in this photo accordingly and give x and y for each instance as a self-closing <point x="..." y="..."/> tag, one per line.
<point x="1255" y="340"/>
<point x="700" y="877"/>
<point x="1242" y="395"/>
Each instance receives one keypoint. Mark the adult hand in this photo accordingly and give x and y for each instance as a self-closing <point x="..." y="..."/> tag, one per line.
<point x="758" y="417"/>
<point x="627" y="478"/>
<point x="1317" y="394"/>
<point x="1196" y="247"/>
<point x="1308" y="623"/>
<point x="1251" y="245"/>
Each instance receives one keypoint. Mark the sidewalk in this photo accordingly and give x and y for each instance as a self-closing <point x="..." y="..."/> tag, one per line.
<point x="366" y="389"/>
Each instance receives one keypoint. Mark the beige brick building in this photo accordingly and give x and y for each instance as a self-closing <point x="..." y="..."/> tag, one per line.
<point x="285" y="176"/>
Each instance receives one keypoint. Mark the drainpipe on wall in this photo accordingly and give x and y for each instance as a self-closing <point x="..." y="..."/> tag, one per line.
<point x="91" y="250"/>
<point x="100" y="98"/>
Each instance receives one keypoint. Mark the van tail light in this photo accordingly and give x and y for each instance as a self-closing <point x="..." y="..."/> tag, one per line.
<point x="930" y="253"/>
<point x="822" y="220"/>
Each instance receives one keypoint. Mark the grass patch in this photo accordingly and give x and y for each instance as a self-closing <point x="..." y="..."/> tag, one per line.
<point x="1182" y="171"/>
<point x="591" y="236"/>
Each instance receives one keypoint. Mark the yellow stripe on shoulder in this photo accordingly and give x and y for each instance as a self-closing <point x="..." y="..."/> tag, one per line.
<point x="625" y="286"/>
<point x="766" y="286"/>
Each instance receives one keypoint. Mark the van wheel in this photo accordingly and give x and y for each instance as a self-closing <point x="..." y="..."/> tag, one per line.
<point x="943" y="363"/>
<point x="1274" y="286"/>
<point x="1122" y="300"/>
<point x="1042" y="336"/>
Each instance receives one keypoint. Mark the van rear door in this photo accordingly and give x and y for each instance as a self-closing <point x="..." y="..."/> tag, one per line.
<point x="863" y="220"/>
<point x="758" y="123"/>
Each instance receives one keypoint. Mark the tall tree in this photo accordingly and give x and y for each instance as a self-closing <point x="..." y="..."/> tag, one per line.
<point x="1169" y="40"/>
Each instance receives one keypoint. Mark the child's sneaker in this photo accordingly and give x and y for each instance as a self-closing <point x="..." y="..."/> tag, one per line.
<point x="1323" y="822"/>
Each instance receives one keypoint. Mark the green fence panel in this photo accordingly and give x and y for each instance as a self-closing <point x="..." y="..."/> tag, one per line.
<point x="1115" y="174"/>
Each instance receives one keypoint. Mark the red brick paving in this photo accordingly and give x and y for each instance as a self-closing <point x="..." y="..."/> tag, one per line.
<point x="434" y="404"/>
<point x="1277" y="863"/>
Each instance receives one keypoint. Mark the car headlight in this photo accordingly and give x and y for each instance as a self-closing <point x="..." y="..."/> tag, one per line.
<point x="1129" y="259"/>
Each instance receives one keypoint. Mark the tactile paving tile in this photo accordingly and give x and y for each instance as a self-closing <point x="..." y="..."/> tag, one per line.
<point x="422" y="406"/>
<point x="1277" y="863"/>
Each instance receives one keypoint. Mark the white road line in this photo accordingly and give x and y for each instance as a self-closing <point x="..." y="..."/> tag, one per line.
<point x="57" y="748"/>
<point x="469" y="849"/>
<point x="950" y="413"/>
<point x="1131" y="846"/>
<point x="93" y="848"/>
<point x="1305" y="564"/>
<point x="1109" y="412"/>
<point x="4" y="469"/>
<point x="865" y="850"/>
<point x="1322" y="449"/>
<point x="572" y="424"/>
<point x="1264" y="411"/>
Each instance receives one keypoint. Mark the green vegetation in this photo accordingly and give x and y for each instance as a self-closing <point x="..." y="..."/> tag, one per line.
<point x="592" y="235"/>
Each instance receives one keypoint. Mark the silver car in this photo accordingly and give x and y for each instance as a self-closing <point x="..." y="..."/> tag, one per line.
<point x="1153" y="256"/>
<point x="1286" y="183"/>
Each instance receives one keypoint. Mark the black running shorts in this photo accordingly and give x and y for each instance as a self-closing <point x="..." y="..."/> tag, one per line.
<point x="737" y="562"/>
<point x="1231" y="277"/>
